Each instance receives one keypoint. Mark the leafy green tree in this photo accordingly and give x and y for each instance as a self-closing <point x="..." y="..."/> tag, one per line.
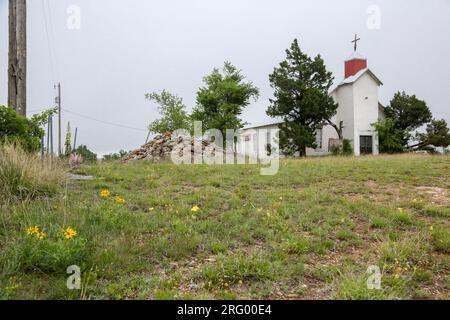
<point x="301" y="99"/>
<point x="41" y="119"/>
<point x="172" y="110"/>
<point x="391" y="139"/>
<point x="437" y="134"/>
<point x="408" y="112"/>
<point x="87" y="154"/>
<point x="15" y="128"/>
<point x="223" y="98"/>
<point x="404" y="114"/>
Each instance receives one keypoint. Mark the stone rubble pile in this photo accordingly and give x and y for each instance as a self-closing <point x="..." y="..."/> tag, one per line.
<point x="161" y="147"/>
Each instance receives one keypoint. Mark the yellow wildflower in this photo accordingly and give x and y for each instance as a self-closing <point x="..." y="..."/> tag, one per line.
<point x="195" y="209"/>
<point x="32" y="230"/>
<point x="105" y="193"/>
<point x="400" y="209"/>
<point x="151" y="209"/>
<point x="431" y="228"/>
<point x="119" y="200"/>
<point x="40" y="235"/>
<point x="259" y="209"/>
<point x="69" y="233"/>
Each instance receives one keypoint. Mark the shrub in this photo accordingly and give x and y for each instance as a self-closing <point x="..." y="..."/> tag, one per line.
<point x="17" y="129"/>
<point x="25" y="176"/>
<point x="391" y="138"/>
<point x="345" y="148"/>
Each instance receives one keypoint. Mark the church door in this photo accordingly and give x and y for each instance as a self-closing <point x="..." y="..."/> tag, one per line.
<point x="365" y="144"/>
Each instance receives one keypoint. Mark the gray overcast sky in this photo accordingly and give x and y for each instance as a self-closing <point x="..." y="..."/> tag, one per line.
<point x="127" y="48"/>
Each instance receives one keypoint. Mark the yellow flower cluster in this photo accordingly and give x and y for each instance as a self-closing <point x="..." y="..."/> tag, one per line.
<point x="195" y="209"/>
<point x="34" y="231"/>
<point x="105" y="194"/>
<point x="119" y="200"/>
<point x="70" y="233"/>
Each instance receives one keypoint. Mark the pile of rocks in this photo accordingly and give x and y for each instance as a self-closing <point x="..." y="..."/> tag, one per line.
<point x="161" y="148"/>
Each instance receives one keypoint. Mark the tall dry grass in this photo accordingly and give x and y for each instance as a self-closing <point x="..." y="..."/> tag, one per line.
<point x="25" y="176"/>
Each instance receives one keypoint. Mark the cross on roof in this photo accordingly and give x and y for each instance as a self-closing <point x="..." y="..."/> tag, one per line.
<point x="356" y="41"/>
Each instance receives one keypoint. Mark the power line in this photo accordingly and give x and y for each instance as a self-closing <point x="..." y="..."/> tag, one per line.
<point x="94" y="119"/>
<point x="52" y="35"/>
<point x="104" y="122"/>
<point x="49" y="45"/>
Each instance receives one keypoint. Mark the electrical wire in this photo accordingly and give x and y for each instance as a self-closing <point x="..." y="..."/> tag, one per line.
<point x="104" y="122"/>
<point x="49" y="46"/>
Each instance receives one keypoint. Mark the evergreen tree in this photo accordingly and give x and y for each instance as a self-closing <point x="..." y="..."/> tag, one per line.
<point x="437" y="134"/>
<point x="301" y="99"/>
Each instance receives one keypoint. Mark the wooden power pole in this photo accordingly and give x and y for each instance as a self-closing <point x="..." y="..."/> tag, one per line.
<point x="17" y="58"/>
<point x="58" y="101"/>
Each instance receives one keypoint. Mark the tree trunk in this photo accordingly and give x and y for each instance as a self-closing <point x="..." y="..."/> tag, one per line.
<point x="339" y="129"/>
<point x="302" y="151"/>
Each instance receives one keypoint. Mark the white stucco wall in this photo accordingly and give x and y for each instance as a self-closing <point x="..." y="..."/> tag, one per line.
<point x="365" y="101"/>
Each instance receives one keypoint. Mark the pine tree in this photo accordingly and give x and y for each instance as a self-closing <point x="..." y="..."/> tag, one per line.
<point x="301" y="99"/>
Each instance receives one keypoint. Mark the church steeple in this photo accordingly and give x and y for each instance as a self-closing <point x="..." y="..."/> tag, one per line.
<point x="355" y="62"/>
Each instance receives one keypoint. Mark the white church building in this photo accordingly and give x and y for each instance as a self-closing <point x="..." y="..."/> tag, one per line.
<point x="359" y="108"/>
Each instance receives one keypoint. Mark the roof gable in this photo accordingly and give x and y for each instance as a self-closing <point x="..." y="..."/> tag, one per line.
<point x="355" y="77"/>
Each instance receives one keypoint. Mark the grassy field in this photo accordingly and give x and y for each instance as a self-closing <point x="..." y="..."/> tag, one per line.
<point x="309" y="232"/>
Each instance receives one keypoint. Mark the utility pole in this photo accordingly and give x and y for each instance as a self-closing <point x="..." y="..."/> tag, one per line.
<point x="17" y="56"/>
<point x="75" y="139"/>
<point x="48" y="136"/>
<point x="58" y="101"/>
<point x="51" y="136"/>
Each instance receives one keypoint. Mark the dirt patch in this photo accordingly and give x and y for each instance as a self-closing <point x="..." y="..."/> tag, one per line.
<point x="439" y="196"/>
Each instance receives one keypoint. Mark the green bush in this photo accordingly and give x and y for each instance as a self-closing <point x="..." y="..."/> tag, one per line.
<point x="25" y="176"/>
<point x="345" y="149"/>
<point x="391" y="139"/>
<point x="17" y="129"/>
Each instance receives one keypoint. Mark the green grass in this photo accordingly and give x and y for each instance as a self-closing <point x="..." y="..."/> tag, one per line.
<point x="309" y="232"/>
